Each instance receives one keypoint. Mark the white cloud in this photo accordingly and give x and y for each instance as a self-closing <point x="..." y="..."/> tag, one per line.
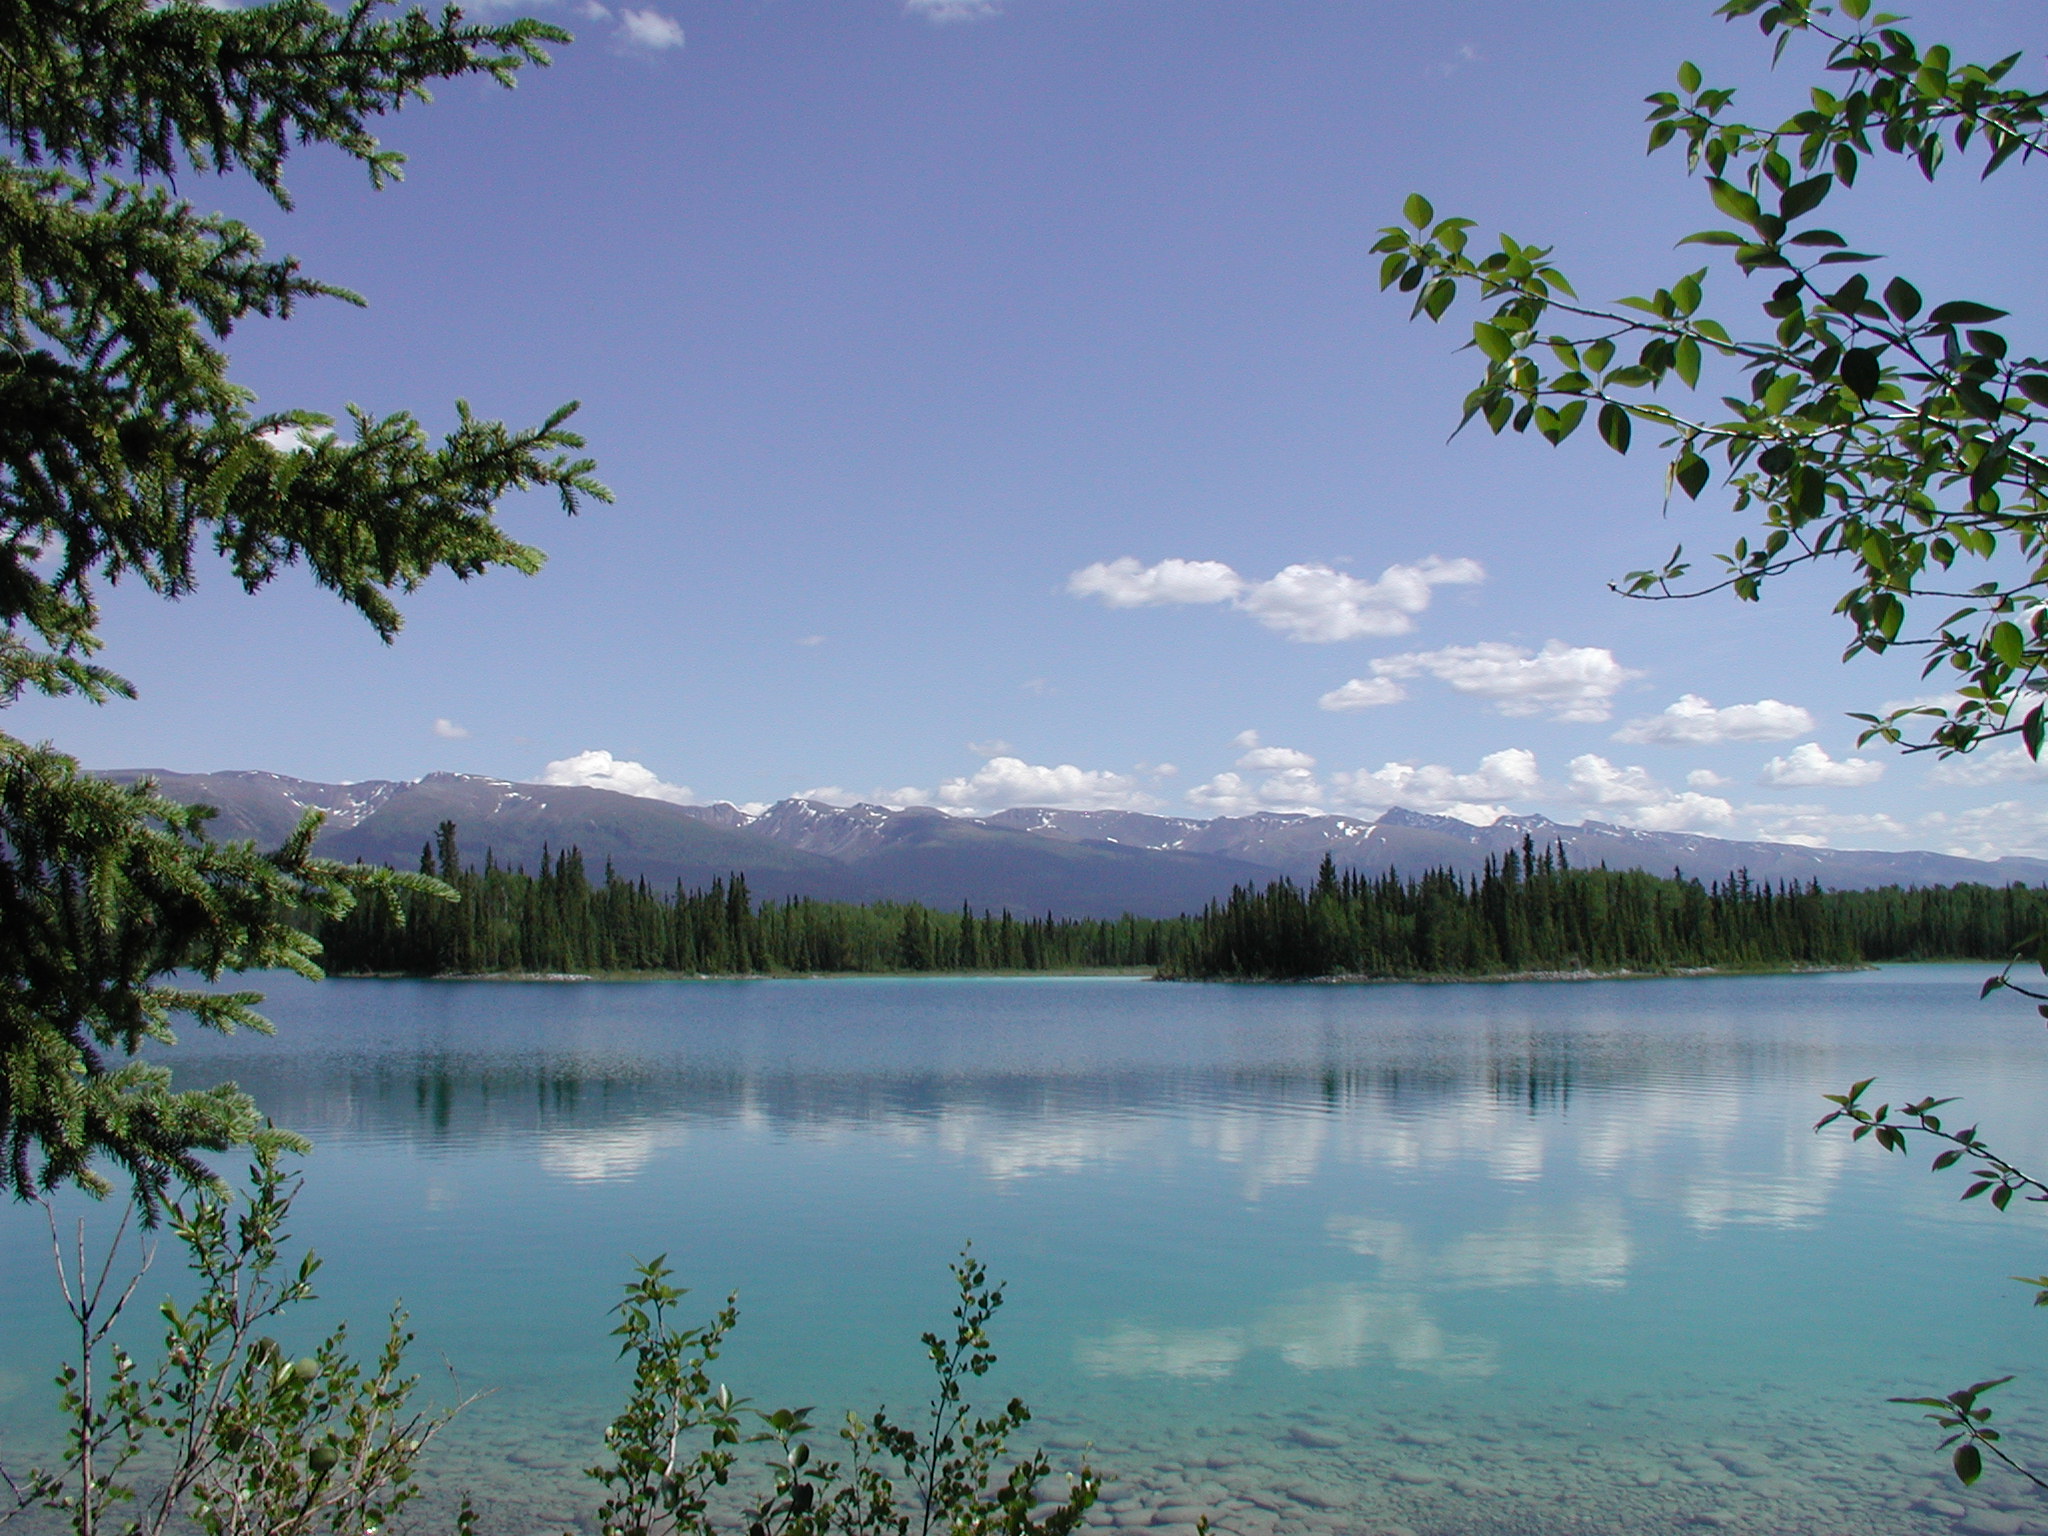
<point x="952" y="10"/>
<point x="448" y="730"/>
<point x="810" y="640"/>
<point x="1126" y="584"/>
<point x="1810" y="767"/>
<point x="1316" y="604"/>
<point x="1275" y="757"/>
<point x="600" y="770"/>
<point x="1694" y="721"/>
<point x="1815" y="826"/>
<point x="997" y="747"/>
<point x="1994" y="831"/>
<point x="650" y="29"/>
<point x="1571" y="682"/>
<point x="1363" y="693"/>
<point x="1510" y="774"/>
<point x="827" y="794"/>
<point x="1231" y="794"/>
<point x="1992" y="765"/>
<point x="1598" y="782"/>
<point x="1313" y="603"/>
<point x="1245" y="739"/>
<point x="1706" y="778"/>
<point x="1631" y="796"/>
<point x="1006" y="781"/>
<point x="289" y="438"/>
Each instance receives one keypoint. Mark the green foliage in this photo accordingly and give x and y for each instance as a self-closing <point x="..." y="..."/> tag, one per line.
<point x="679" y="1438"/>
<point x="558" y="920"/>
<point x="1861" y="424"/>
<point x="106" y="891"/>
<point x="1531" y="911"/>
<point x="227" y="1434"/>
<point x="231" y="1435"/>
<point x="126" y="450"/>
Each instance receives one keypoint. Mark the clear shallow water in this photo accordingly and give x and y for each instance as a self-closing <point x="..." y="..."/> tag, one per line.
<point x="1529" y="1258"/>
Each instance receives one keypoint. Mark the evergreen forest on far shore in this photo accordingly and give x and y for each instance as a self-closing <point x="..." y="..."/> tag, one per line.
<point x="1526" y="912"/>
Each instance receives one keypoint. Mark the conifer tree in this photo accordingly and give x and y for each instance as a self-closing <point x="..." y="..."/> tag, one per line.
<point x="126" y="449"/>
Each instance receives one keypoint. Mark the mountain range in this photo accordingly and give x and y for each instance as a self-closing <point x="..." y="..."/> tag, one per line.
<point x="1074" y="863"/>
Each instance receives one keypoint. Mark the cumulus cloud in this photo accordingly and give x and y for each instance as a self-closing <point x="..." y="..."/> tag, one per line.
<point x="1693" y="721"/>
<point x="1275" y="757"/>
<point x="1810" y="767"/>
<point x="1994" y="831"/>
<point x="1127" y="584"/>
<point x="1815" y="826"/>
<point x="1510" y="774"/>
<point x="1006" y="781"/>
<point x="650" y="30"/>
<point x="448" y="730"/>
<point x="1316" y="604"/>
<point x="1232" y="794"/>
<point x="1363" y="693"/>
<point x="1632" y="796"/>
<point x="1570" y="682"/>
<point x="600" y="770"/>
<point x="1706" y="778"/>
<point x="1992" y="765"/>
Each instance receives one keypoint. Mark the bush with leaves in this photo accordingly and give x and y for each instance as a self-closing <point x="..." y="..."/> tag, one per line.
<point x="229" y="1433"/>
<point x="1872" y="427"/>
<point x="226" y="1432"/>
<point x="944" y="1472"/>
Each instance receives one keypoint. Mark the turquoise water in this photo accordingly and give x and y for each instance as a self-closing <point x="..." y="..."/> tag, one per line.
<point x="1503" y="1258"/>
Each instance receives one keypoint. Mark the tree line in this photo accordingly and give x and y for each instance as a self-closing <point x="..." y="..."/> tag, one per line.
<point x="1530" y="910"/>
<point x="561" y="920"/>
<point x="1526" y="911"/>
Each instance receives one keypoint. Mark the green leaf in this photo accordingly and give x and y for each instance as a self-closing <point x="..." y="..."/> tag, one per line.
<point x="1686" y="359"/>
<point x="1901" y="298"/>
<point x="1492" y="340"/>
<point x="2034" y="386"/>
<point x="1804" y="196"/>
<point x="1614" y="427"/>
<point x="1734" y="202"/>
<point x="1715" y="237"/>
<point x="1860" y="371"/>
<point x="1969" y="1464"/>
<point x="1692" y="474"/>
<point x="2008" y="644"/>
<point x="1963" y="312"/>
<point x="1418" y="211"/>
<point x="1689" y="77"/>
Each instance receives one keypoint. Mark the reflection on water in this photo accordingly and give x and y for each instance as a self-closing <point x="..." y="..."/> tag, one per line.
<point x="1314" y="1260"/>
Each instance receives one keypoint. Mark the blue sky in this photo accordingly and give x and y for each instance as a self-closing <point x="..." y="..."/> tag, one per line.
<point x="1002" y="410"/>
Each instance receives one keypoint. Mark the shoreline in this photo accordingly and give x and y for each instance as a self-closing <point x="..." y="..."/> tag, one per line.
<point x="1115" y="973"/>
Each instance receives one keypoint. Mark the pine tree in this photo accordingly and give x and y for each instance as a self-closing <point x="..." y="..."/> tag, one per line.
<point x="125" y="447"/>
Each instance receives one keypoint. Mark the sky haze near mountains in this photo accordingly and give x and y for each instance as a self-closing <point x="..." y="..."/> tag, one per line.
<point x="1003" y="412"/>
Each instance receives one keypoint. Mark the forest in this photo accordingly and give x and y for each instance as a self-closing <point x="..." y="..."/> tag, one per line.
<point x="1528" y="911"/>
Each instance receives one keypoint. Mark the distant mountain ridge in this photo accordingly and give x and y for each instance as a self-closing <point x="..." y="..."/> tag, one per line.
<point x="1074" y="863"/>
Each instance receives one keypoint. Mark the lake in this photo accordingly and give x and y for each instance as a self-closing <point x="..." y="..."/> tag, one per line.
<point x="1492" y="1258"/>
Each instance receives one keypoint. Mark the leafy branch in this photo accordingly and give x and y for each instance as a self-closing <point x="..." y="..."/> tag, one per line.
<point x="1869" y="427"/>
